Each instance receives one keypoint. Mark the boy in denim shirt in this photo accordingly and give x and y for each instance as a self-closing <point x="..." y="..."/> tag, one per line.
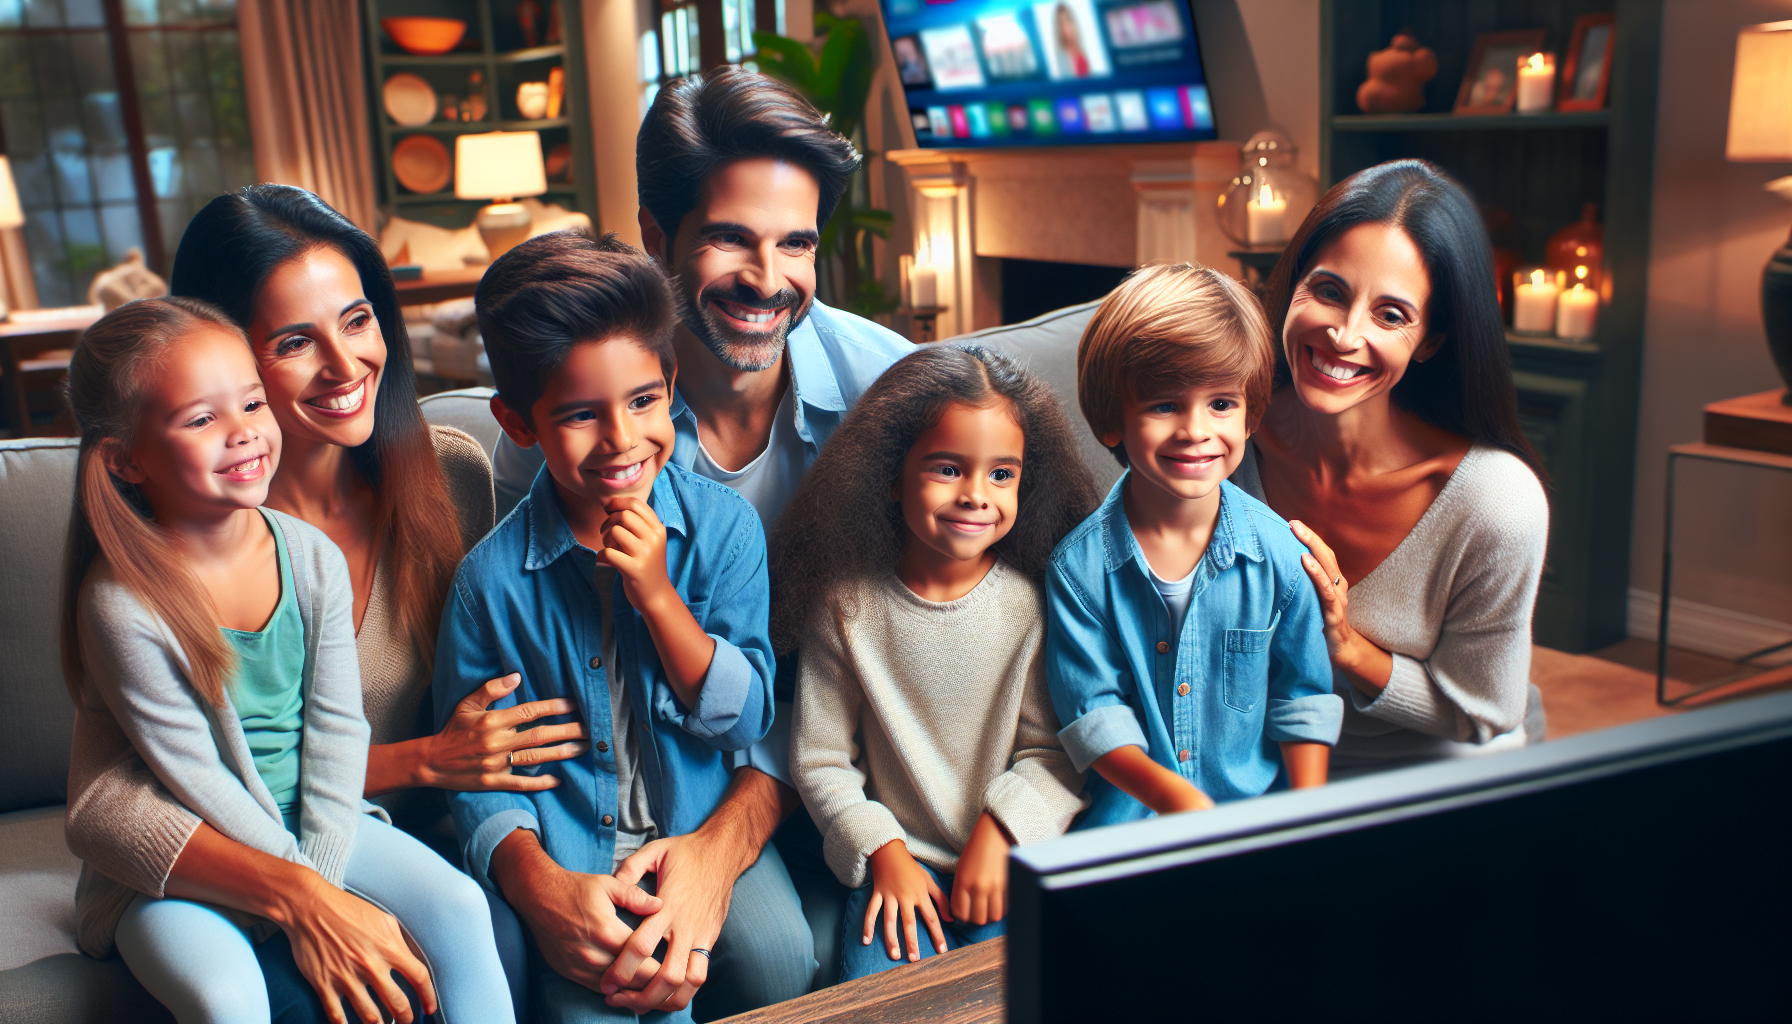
<point x="1186" y="641"/>
<point x="631" y="588"/>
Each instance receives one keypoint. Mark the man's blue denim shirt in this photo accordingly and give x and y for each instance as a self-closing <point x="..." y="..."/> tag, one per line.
<point x="1247" y="670"/>
<point x="525" y="600"/>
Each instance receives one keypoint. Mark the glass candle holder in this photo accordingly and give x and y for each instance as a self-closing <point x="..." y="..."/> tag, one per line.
<point x="1269" y="196"/>
<point x="1534" y="294"/>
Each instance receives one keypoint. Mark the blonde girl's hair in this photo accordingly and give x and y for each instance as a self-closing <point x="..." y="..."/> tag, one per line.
<point x="111" y="517"/>
<point x="1179" y="325"/>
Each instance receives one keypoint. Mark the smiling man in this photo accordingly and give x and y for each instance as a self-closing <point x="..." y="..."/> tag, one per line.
<point x="737" y="174"/>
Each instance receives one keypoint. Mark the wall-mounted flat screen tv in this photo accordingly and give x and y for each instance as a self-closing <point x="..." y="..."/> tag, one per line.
<point x="982" y="73"/>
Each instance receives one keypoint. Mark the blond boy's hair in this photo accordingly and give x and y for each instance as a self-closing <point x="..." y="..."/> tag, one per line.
<point x="1173" y="326"/>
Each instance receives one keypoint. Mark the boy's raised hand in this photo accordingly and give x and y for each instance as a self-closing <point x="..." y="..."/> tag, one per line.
<point x="901" y="886"/>
<point x="980" y="888"/>
<point x="635" y="543"/>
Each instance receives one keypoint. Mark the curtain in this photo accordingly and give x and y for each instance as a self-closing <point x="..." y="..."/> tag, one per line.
<point x="303" y="79"/>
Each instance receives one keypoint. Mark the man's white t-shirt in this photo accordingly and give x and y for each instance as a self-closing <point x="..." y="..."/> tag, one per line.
<point x="768" y="483"/>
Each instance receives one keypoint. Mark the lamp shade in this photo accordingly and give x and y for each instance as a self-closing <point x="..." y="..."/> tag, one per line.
<point x="1761" y="94"/>
<point x="11" y="216"/>
<point x="499" y="165"/>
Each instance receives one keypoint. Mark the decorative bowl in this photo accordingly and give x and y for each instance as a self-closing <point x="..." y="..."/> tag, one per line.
<point x="532" y="100"/>
<point x="409" y="100"/>
<point x="425" y="36"/>
<point x="422" y="164"/>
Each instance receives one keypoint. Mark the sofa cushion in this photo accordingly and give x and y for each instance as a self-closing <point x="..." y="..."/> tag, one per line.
<point x="1047" y="345"/>
<point x="37" y="487"/>
<point x="468" y="410"/>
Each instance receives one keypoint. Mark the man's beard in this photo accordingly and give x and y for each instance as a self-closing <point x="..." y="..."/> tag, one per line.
<point x="742" y="351"/>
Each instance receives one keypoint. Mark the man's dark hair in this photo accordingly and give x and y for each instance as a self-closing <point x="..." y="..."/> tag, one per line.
<point x="557" y="290"/>
<point x="701" y="122"/>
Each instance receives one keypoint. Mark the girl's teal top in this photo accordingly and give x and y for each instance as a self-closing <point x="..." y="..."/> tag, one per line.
<point x="267" y="690"/>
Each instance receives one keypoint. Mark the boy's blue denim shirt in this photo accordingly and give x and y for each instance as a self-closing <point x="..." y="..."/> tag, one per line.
<point x="1248" y="669"/>
<point x="525" y="600"/>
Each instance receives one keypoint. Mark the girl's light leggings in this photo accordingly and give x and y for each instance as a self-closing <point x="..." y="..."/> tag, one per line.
<point x="202" y="966"/>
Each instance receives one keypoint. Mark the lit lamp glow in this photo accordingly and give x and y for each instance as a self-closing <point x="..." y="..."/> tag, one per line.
<point x="1265" y="211"/>
<point x="504" y="167"/>
<point x="11" y="216"/>
<point x="1536" y="83"/>
<point x="1534" y="303"/>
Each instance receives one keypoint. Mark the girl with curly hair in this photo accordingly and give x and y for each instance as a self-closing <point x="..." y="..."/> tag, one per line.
<point x="908" y="567"/>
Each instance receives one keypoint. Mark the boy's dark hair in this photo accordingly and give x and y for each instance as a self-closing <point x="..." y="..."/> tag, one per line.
<point x="842" y="526"/>
<point x="557" y="290"/>
<point x="703" y="121"/>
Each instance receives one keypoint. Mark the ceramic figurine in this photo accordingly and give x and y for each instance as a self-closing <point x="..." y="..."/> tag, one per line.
<point x="1397" y="77"/>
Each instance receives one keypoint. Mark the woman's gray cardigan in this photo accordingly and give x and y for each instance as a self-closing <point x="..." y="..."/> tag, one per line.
<point x="136" y="701"/>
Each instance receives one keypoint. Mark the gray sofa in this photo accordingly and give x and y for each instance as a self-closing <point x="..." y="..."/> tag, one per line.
<point x="43" y="978"/>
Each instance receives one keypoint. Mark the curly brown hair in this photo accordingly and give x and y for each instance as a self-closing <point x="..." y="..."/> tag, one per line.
<point x="841" y="525"/>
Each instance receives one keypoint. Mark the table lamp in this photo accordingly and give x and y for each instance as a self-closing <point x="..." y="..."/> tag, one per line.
<point x="503" y="167"/>
<point x="1761" y="132"/>
<point x="11" y="216"/>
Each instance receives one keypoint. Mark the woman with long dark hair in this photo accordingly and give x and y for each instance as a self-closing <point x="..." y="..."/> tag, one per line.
<point x="402" y="500"/>
<point x="1393" y="435"/>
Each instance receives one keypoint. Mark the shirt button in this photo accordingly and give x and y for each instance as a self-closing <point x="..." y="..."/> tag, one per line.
<point x="1185" y="755"/>
<point x="611" y="821"/>
<point x="1182" y="690"/>
<point x="597" y="662"/>
<point x="604" y="748"/>
<point x="1163" y="647"/>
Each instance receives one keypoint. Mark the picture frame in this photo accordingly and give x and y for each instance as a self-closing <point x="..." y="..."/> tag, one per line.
<point x="1490" y="81"/>
<point x="1587" y="70"/>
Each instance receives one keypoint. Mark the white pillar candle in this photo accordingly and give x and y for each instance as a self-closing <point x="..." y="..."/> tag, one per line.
<point x="1576" y="312"/>
<point x="1534" y="304"/>
<point x="1265" y="217"/>
<point x="1536" y="83"/>
<point x="924" y="286"/>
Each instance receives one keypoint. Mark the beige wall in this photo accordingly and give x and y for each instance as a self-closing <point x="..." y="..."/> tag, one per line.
<point x="1711" y="232"/>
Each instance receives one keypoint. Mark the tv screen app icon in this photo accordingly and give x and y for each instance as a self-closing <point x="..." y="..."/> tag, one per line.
<point x="1165" y="108"/>
<point x="1044" y="121"/>
<point x="1070" y="116"/>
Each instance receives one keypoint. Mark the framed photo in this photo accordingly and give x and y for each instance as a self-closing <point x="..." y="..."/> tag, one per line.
<point x="1588" y="69"/>
<point x="1490" y="84"/>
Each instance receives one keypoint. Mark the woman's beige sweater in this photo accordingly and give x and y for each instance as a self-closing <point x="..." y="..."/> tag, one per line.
<point x="913" y="717"/>
<point x="127" y="827"/>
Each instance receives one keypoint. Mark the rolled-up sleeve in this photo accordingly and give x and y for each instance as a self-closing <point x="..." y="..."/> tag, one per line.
<point x="465" y="659"/>
<point x="1087" y="674"/>
<point x="734" y="707"/>
<point x="1302" y="707"/>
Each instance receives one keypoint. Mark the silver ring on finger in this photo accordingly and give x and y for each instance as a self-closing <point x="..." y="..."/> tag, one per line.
<point x="510" y="759"/>
<point x="699" y="949"/>
<point x="1337" y="579"/>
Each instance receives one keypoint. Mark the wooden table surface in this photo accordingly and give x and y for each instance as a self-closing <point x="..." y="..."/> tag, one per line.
<point x="439" y="286"/>
<point x="964" y="986"/>
<point x="19" y="341"/>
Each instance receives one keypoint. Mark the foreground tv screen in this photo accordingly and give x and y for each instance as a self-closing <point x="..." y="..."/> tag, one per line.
<point x="984" y="73"/>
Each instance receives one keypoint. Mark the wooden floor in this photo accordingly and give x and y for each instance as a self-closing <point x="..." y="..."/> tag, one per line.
<point x="962" y="987"/>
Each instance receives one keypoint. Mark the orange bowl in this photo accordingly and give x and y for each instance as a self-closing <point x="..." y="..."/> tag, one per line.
<point x="425" y="35"/>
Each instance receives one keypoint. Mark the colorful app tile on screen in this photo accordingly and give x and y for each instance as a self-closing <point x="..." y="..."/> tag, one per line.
<point x="998" y="119"/>
<point x="1018" y="122"/>
<point x="961" y="126"/>
<point x="1044" y="122"/>
<point x="1098" y="113"/>
<point x="952" y="57"/>
<point x="1196" y="111"/>
<point x="922" y="125"/>
<point x="1070" y="115"/>
<point x="978" y="117"/>
<point x="1007" y="48"/>
<point x="1138" y="26"/>
<point x="940" y="121"/>
<point x="1072" y="40"/>
<point x="1166" y="109"/>
<point x="911" y="66"/>
<point x="1130" y="108"/>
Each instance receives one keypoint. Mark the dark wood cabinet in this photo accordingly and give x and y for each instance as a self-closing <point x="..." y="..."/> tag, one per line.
<point x="1577" y="400"/>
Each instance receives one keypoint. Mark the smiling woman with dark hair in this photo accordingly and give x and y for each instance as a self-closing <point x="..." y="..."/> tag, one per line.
<point x="1394" y="435"/>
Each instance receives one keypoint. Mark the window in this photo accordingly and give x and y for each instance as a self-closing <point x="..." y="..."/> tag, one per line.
<point x="116" y="150"/>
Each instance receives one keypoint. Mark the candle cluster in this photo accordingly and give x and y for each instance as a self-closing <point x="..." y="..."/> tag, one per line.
<point x="1544" y="304"/>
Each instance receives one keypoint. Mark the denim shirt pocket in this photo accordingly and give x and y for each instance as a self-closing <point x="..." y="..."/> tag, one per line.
<point x="1246" y="666"/>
